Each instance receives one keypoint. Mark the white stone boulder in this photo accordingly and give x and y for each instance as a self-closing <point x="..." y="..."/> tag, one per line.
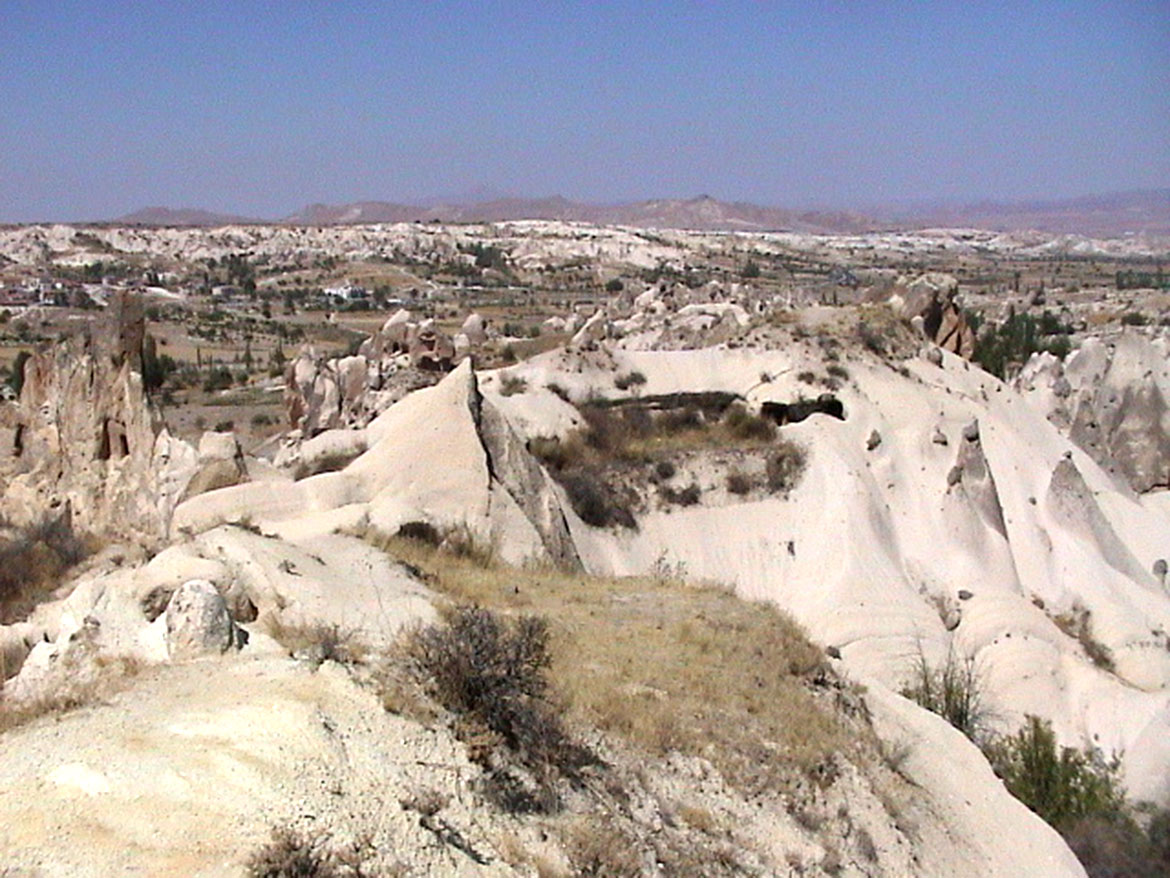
<point x="198" y="622"/>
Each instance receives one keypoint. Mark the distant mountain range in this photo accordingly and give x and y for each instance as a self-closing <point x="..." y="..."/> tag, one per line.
<point x="183" y="216"/>
<point x="1144" y="211"/>
<point x="1113" y="214"/>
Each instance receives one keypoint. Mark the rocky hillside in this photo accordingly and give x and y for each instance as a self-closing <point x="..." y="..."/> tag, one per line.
<point x="645" y="603"/>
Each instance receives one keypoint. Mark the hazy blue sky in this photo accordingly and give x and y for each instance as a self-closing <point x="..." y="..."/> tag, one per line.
<point x="260" y="107"/>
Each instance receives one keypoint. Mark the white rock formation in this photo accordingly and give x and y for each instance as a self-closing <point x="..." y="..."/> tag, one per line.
<point x="198" y="622"/>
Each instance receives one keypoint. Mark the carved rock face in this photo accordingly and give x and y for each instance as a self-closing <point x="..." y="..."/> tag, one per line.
<point x="85" y="431"/>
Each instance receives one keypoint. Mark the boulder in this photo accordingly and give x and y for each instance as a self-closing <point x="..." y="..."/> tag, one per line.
<point x="220" y="465"/>
<point x="198" y="622"/>
<point x="431" y="349"/>
<point x="475" y="329"/>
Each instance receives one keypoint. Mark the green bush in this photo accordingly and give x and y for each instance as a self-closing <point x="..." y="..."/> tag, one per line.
<point x="1014" y="340"/>
<point x="219" y="378"/>
<point x="1061" y="784"/>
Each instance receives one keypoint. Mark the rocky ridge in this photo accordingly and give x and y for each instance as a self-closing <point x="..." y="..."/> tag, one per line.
<point x="969" y="516"/>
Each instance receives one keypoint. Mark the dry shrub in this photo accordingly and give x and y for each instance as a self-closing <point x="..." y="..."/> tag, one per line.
<point x="558" y="390"/>
<point x="606" y="431"/>
<point x="316" y="640"/>
<point x="742" y="425"/>
<point x="423" y="531"/>
<point x="293" y="854"/>
<point x="290" y="854"/>
<point x="953" y="690"/>
<point x="595" y="502"/>
<point x="33" y="562"/>
<point x="872" y="338"/>
<point x="459" y="540"/>
<point x="739" y="482"/>
<point x="559" y="454"/>
<point x="510" y="385"/>
<point x="490" y="672"/>
<point x="1078" y="624"/>
<point x="598" y="850"/>
<point x="784" y="466"/>
<point x="629" y="380"/>
<point x="688" y="496"/>
<point x="1112" y="848"/>
<point x="462" y="542"/>
<point x="688" y="419"/>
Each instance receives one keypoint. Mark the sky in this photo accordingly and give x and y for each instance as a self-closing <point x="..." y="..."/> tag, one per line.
<point x="259" y="108"/>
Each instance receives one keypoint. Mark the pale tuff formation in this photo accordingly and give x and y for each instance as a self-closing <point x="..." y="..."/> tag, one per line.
<point x="323" y="393"/>
<point x="973" y="520"/>
<point x="84" y="434"/>
<point x="933" y="298"/>
<point x="1110" y="397"/>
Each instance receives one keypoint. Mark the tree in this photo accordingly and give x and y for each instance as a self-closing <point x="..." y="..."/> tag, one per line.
<point x="16" y="379"/>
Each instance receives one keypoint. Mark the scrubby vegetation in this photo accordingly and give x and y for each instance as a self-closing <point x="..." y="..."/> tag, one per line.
<point x="1077" y="792"/>
<point x="290" y="853"/>
<point x="1000" y="347"/>
<point x="1077" y="623"/>
<point x="696" y="670"/>
<point x="784" y="466"/>
<point x="316" y="641"/>
<point x="510" y="385"/>
<point x="953" y="690"/>
<point x="107" y="675"/>
<point x="1061" y="784"/>
<point x="629" y="380"/>
<point x="34" y="561"/>
<point x="491" y="672"/>
<point x="605" y="466"/>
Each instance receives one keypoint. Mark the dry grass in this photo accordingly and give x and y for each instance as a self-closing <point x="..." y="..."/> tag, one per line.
<point x="634" y="435"/>
<point x="605" y="466"/>
<point x="599" y="850"/>
<point x="111" y="675"/>
<point x="664" y="665"/>
<point x="317" y="641"/>
<point x="292" y="854"/>
<point x="1078" y="624"/>
<point x="510" y="385"/>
